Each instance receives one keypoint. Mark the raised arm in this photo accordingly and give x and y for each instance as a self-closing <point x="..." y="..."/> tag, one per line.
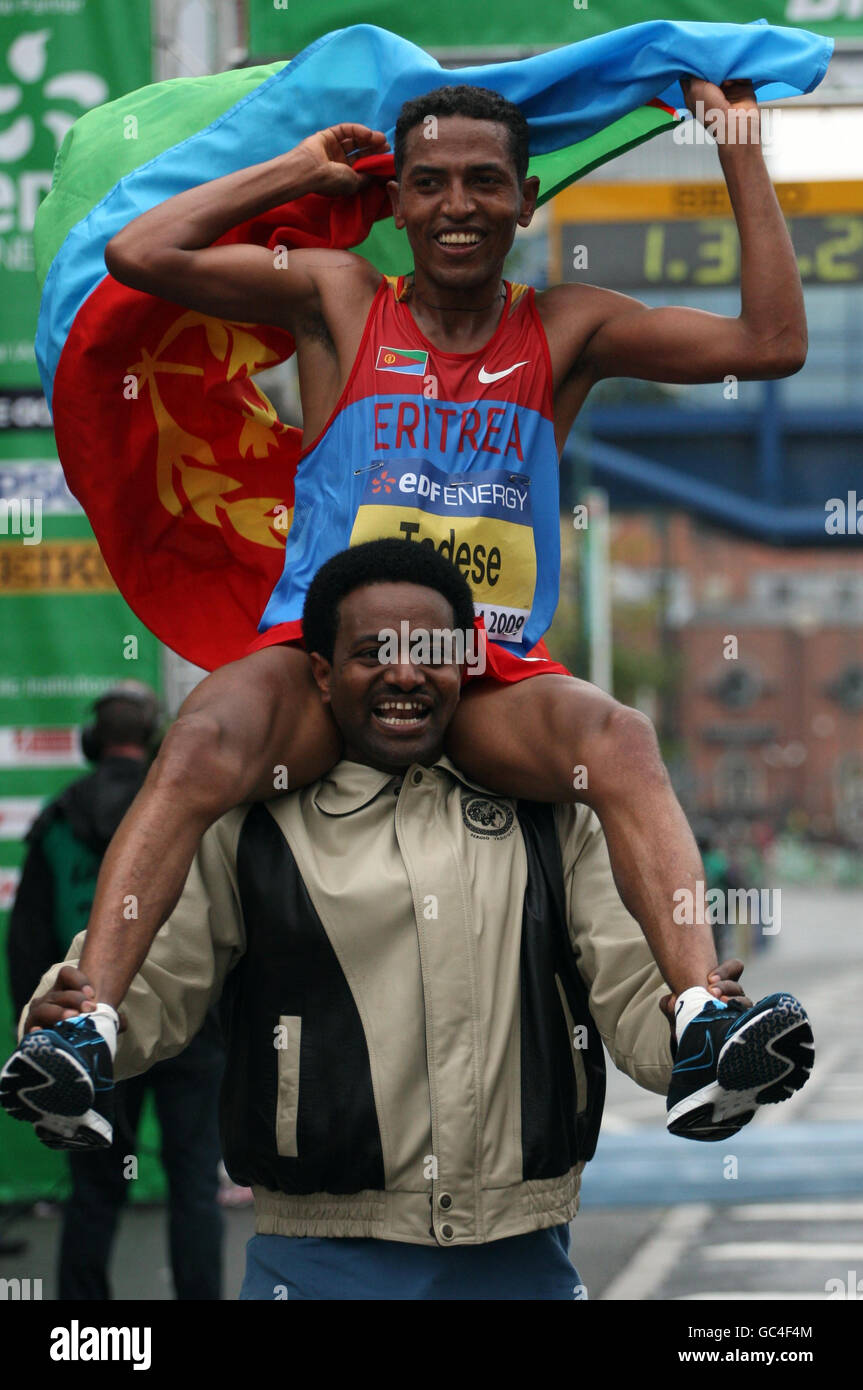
<point x="169" y="250"/>
<point x="768" y="337"/>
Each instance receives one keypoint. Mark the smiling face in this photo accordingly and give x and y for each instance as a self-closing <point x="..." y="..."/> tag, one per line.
<point x="460" y="201"/>
<point x="390" y="714"/>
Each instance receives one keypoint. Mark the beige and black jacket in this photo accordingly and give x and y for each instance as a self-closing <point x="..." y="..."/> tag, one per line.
<point x="414" y="977"/>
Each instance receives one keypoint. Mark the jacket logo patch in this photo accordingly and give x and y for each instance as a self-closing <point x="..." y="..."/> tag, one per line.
<point x="485" y="818"/>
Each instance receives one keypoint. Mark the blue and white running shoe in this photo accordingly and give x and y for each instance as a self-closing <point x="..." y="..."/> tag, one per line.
<point x="60" y="1079"/>
<point x="731" y="1059"/>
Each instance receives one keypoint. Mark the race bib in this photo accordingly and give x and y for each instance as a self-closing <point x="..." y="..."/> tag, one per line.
<point x="482" y="522"/>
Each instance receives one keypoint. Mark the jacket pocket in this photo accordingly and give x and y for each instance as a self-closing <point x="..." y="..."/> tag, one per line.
<point x="577" y="1042"/>
<point x="288" y="1091"/>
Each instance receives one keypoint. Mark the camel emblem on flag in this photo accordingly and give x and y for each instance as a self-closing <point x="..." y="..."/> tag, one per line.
<point x="188" y="471"/>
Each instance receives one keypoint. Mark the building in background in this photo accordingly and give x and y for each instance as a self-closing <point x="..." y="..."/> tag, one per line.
<point x="750" y="658"/>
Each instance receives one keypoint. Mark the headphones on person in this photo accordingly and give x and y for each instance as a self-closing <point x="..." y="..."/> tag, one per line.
<point x="92" y="739"/>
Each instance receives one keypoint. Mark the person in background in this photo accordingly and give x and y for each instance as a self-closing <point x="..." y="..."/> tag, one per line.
<point x="65" y="846"/>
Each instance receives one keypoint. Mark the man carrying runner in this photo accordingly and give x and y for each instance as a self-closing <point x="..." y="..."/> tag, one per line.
<point x="415" y="1077"/>
<point x="435" y="408"/>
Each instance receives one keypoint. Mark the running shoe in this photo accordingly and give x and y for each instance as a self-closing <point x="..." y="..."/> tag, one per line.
<point x="731" y="1059"/>
<point x="60" y="1080"/>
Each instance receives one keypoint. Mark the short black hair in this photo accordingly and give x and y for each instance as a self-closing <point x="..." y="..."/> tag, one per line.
<point x="480" y="104"/>
<point x="386" y="561"/>
<point x="127" y="713"/>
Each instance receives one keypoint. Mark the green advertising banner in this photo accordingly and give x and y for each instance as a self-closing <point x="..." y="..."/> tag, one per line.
<point x="65" y="632"/>
<point x="67" y="635"/>
<point x="58" y="58"/>
<point x="283" y="27"/>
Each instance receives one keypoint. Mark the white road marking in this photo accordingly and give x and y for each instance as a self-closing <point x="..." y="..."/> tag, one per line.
<point x="824" y="1113"/>
<point x="782" y="1250"/>
<point x="616" y="1124"/>
<point x="782" y="1296"/>
<point x="798" y="1211"/>
<point x="646" y="1271"/>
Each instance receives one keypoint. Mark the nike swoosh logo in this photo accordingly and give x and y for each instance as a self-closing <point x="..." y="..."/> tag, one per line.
<point x="704" y="1058"/>
<point x="486" y="377"/>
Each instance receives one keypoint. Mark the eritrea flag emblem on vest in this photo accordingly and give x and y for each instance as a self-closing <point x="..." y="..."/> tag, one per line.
<point x="406" y="361"/>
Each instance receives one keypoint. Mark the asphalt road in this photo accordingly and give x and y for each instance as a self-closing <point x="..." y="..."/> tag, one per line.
<point x="778" y="1210"/>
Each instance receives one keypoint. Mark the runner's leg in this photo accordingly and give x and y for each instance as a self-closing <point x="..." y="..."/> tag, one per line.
<point x="530" y="739"/>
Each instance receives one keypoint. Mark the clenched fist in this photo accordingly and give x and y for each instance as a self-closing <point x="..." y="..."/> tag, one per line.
<point x="72" y="994"/>
<point x="330" y="153"/>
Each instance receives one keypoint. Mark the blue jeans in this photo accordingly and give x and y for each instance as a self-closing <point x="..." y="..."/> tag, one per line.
<point x="532" y="1266"/>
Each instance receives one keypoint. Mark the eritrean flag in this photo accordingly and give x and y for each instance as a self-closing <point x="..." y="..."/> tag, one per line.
<point x="402" y="360"/>
<point x="176" y="455"/>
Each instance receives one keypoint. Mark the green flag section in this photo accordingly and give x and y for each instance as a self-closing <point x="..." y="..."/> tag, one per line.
<point x="285" y="26"/>
<point x="57" y="60"/>
<point x="67" y="636"/>
<point x="135" y="129"/>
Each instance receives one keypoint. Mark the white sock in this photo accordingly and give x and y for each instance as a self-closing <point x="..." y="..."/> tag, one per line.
<point x="106" y="1022"/>
<point x="689" y="1004"/>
